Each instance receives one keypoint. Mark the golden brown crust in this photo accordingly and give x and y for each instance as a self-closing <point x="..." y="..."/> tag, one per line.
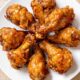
<point x="33" y="27"/>
<point x="48" y="18"/>
<point x="38" y="11"/>
<point x="57" y="20"/>
<point x="19" y="15"/>
<point x="20" y="56"/>
<point x="37" y="66"/>
<point x="59" y="59"/>
<point x="42" y="8"/>
<point x="47" y="3"/>
<point x="69" y="36"/>
<point x="11" y="38"/>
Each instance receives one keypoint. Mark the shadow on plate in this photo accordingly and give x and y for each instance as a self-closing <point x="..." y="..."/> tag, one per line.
<point x="49" y="77"/>
<point x="72" y="70"/>
<point x="23" y="70"/>
<point x="77" y="47"/>
<point x="76" y="22"/>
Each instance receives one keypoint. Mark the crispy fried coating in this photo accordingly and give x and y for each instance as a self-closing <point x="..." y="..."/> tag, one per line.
<point x="11" y="38"/>
<point x="33" y="27"/>
<point x="57" y="20"/>
<point x="20" y="56"/>
<point x="42" y="8"/>
<point x="69" y="36"/>
<point x="47" y="3"/>
<point x="59" y="59"/>
<point x="37" y="66"/>
<point x="19" y="15"/>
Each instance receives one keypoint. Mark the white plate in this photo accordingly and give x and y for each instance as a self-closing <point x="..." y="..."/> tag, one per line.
<point x="23" y="74"/>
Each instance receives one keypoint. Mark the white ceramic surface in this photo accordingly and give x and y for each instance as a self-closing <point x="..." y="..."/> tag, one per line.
<point x="23" y="73"/>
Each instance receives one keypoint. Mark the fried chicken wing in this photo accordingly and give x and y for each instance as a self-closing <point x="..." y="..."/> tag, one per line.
<point x="47" y="3"/>
<point x="19" y="15"/>
<point x="37" y="66"/>
<point x="57" y="20"/>
<point x="59" y="59"/>
<point x="11" y="38"/>
<point x="20" y="56"/>
<point x="69" y="36"/>
<point x="32" y="28"/>
<point x="42" y="8"/>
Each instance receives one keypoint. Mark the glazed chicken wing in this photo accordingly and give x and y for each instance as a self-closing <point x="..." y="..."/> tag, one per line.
<point x="20" y="56"/>
<point x="69" y="36"/>
<point x="57" y="20"/>
<point x="11" y="38"/>
<point x="42" y="8"/>
<point x="37" y="66"/>
<point x="20" y="16"/>
<point x="59" y="59"/>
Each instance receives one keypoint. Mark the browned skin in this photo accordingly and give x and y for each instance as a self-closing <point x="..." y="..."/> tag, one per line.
<point x="57" y="20"/>
<point x="69" y="36"/>
<point x="37" y="66"/>
<point x="42" y="8"/>
<point x="33" y="26"/>
<point x="19" y="15"/>
<point x="20" y="56"/>
<point x="11" y="38"/>
<point x="59" y="59"/>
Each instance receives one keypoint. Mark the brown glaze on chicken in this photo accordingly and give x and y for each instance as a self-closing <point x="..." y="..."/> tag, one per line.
<point x="11" y="38"/>
<point x="59" y="59"/>
<point x="20" y="56"/>
<point x="37" y="66"/>
<point x="19" y="15"/>
<point x="57" y="20"/>
<point x="69" y="36"/>
<point x="42" y="8"/>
